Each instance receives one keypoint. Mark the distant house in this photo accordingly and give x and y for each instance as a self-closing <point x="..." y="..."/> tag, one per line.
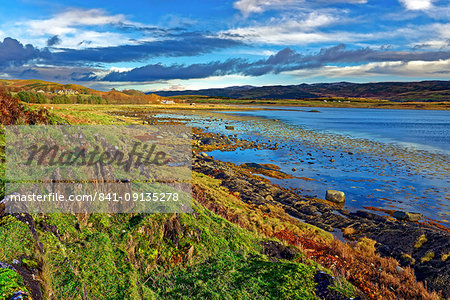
<point x="167" y="102"/>
<point x="66" y="92"/>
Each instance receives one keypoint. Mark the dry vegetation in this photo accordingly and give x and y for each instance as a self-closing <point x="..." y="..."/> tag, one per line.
<point x="377" y="277"/>
<point x="14" y="113"/>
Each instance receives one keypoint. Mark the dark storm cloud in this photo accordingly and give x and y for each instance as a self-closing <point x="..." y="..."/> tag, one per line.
<point x="185" y="44"/>
<point x="13" y="53"/>
<point x="14" y="58"/>
<point x="285" y="60"/>
<point x="53" y="41"/>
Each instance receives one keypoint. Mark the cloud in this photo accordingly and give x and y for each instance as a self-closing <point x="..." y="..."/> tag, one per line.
<point x="66" y="22"/>
<point x="73" y="26"/>
<point x="184" y="44"/>
<point x="53" y="41"/>
<point x="303" y="28"/>
<point x="412" y="69"/>
<point x="417" y="4"/>
<point x="285" y="60"/>
<point x="433" y="44"/>
<point x="13" y="53"/>
<point x="247" y="7"/>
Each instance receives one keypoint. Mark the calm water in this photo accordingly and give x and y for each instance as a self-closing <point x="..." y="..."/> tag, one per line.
<point x="391" y="159"/>
<point x="419" y="129"/>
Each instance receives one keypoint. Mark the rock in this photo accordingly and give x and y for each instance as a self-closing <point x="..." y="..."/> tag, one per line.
<point x="335" y="196"/>
<point x="277" y="250"/>
<point x="229" y="127"/>
<point x="257" y="166"/>
<point x="294" y="169"/>
<point x="204" y="154"/>
<point x="269" y="198"/>
<point x="208" y="141"/>
<point x="331" y="160"/>
<point x="407" y="260"/>
<point x="407" y="216"/>
<point x="2" y="208"/>
<point x="399" y="269"/>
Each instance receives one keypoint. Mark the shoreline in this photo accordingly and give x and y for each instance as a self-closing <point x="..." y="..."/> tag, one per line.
<point x="255" y="106"/>
<point x="394" y="238"/>
<point x="252" y="201"/>
<point x="374" y="104"/>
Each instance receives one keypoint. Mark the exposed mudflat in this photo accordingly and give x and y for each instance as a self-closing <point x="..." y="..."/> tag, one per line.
<point x="266" y="160"/>
<point x="373" y="174"/>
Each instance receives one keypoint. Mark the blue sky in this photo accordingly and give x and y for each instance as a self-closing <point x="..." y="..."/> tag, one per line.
<point x="174" y="45"/>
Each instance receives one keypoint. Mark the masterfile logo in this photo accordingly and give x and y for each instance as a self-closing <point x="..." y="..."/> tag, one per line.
<point x="98" y="168"/>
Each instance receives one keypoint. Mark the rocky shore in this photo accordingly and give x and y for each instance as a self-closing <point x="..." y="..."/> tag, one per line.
<point x="421" y="247"/>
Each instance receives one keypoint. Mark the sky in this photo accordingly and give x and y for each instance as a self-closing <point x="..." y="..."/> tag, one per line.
<point x="176" y="45"/>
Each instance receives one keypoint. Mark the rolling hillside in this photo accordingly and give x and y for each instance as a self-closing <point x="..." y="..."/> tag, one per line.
<point x="394" y="91"/>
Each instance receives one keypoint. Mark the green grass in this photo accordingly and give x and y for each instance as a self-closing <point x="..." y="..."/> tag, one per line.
<point x="343" y="287"/>
<point x="10" y="282"/>
<point x="15" y="240"/>
<point x="131" y="256"/>
<point x="237" y="277"/>
<point x="112" y="256"/>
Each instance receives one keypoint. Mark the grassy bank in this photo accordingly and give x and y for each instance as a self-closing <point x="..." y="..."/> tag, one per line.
<point x="225" y="249"/>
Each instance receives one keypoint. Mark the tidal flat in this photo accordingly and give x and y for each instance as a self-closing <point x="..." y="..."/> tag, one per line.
<point x="263" y="157"/>
<point x="279" y="170"/>
<point x="375" y="172"/>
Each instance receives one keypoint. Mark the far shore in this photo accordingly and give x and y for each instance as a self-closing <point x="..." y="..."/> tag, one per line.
<point x="236" y="104"/>
<point x="321" y="102"/>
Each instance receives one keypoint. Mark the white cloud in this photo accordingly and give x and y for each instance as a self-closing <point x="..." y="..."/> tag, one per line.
<point x="417" y="4"/>
<point x="291" y="31"/>
<point x="102" y="73"/>
<point x="75" y="28"/>
<point x="66" y="22"/>
<point x="433" y="45"/>
<point x="412" y="69"/>
<point x="247" y="7"/>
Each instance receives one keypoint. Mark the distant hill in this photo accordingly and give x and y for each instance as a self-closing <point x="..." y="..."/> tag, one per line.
<point x="394" y="91"/>
<point x="39" y="91"/>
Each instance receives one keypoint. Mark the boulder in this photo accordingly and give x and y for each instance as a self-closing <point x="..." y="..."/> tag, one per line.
<point x="335" y="196"/>
<point x="2" y="208"/>
<point x="208" y="141"/>
<point x="275" y="249"/>
<point x="229" y="127"/>
<point x="407" y="216"/>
